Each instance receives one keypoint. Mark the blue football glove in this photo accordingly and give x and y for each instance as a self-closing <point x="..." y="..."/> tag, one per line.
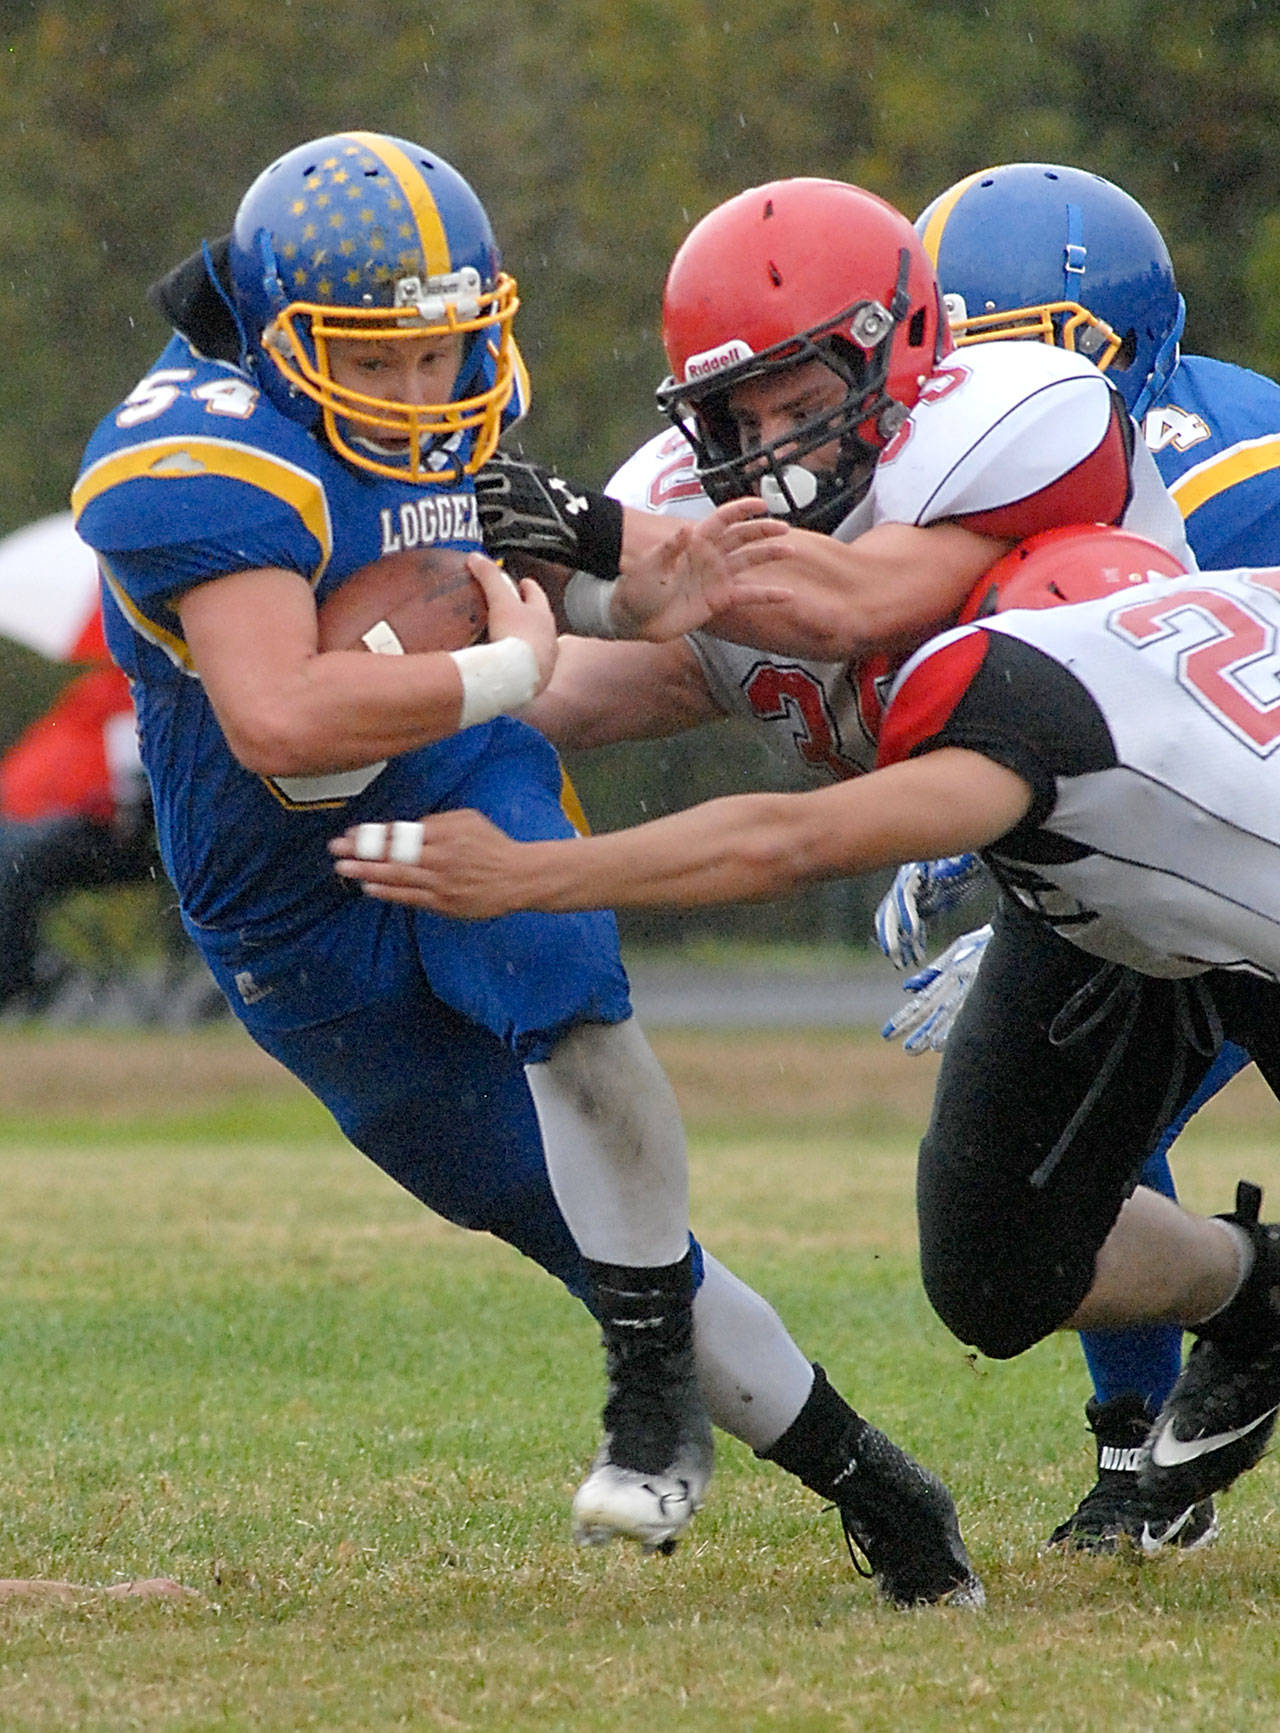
<point x="937" y="994"/>
<point x="921" y="890"/>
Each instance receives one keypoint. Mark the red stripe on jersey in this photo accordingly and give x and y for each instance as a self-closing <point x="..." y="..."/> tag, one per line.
<point x="924" y="702"/>
<point x="1096" y="491"/>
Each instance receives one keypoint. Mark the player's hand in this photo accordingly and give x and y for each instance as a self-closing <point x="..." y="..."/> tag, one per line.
<point x="456" y="863"/>
<point x="517" y="610"/>
<point x="526" y="508"/>
<point x="812" y="613"/>
<point x="692" y="575"/>
<point x="937" y="993"/>
<point x="920" y="891"/>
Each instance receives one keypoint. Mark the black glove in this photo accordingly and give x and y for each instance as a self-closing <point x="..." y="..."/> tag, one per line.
<point x="527" y="509"/>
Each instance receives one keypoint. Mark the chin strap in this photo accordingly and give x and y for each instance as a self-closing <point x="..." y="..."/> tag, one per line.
<point x="1167" y="358"/>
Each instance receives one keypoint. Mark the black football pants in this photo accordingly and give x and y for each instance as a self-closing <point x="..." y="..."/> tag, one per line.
<point x="1056" y="1082"/>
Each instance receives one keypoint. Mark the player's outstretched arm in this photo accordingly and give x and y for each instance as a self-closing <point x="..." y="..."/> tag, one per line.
<point x="602" y="693"/>
<point x="740" y="848"/>
<point x="885" y="592"/>
<point x="635" y="574"/>
<point x="677" y="576"/>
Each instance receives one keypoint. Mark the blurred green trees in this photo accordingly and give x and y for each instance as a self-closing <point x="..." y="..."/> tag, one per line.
<point x="596" y="135"/>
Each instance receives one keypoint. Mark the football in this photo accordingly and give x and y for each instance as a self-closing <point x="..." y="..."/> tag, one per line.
<point x="414" y="600"/>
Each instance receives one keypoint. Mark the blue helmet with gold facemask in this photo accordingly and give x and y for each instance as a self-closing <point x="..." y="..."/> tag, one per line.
<point x="1032" y="249"/>
<point x="361" y="236"/>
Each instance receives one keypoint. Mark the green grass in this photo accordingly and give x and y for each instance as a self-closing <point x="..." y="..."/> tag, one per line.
<point x="234" y="1354"/>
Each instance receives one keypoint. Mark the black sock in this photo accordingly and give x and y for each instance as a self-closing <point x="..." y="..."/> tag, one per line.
<point x="643" y="1307"/>
<point x="821" y="1442"/>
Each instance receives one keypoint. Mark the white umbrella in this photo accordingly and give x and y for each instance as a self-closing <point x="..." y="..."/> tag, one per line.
<point x="49" y="591"/>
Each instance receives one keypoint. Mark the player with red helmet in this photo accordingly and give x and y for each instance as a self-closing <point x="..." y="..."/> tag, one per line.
<point x="811" y="371"/>
<point x="858" y="364"/>
<point x="919" y="460"/>
<point x="338" y="371"/>
<point x="1057" y="254"/>
<point x="1114" y="761"/>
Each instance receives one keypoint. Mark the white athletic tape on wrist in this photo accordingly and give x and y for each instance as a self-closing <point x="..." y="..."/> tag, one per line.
<point x="587" y="604"/>
<point x="496" y="678"/>
<point x="382" y="640"/>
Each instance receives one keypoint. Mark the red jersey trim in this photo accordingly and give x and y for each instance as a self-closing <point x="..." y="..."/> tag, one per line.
<point x="1097" y="490"/>
<point x="923" y="704"/>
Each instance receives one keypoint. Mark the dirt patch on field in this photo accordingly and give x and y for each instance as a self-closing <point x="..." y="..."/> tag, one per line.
<point x="794" y="1075"/>
<point x="90" y="1071"/>
<point x="716" y="1075"/>
<point x="787" y="1077"/>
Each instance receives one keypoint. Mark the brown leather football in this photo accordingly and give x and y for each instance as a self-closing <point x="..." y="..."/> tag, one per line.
<point x="418" y="599"/>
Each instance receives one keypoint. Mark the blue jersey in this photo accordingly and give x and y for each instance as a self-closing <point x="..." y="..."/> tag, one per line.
<point x="1215" y="436"/>
<point x="412" y="1029"/>
<point x="194" y="476"/>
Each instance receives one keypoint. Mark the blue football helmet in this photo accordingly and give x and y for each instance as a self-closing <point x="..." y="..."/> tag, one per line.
<point x="1037" y="250"/>
<point x="362" y="236"/>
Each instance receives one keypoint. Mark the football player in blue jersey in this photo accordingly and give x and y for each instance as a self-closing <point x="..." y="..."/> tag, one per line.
<point x="340" y="369"/>
<point x="1059" y="254"/>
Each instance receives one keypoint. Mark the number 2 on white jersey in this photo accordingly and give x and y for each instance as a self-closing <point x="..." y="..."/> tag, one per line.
<point x="1230" y="673"/>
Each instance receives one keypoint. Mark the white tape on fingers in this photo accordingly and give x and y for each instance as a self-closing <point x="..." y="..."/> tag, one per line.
<point x="371" y="842"/>
<point x="406" y="841"/>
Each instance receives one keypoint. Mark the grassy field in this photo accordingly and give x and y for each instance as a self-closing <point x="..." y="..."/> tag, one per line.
<point x="236" y="1356"/>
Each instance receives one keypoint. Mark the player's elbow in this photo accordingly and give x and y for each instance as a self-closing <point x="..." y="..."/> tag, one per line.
<point x="267" y="740"/>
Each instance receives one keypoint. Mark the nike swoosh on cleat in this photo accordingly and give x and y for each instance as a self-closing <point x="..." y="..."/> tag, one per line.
<point x="1170" y="1452"/>
<point x="1152" y="1541"/>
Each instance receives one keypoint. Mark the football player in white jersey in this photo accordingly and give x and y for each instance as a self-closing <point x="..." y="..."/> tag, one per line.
<point x="818" y="373"/>
<point x="1059" y="255"/>
<point x="997" y="439"/>
<point x="1115" y="763"/>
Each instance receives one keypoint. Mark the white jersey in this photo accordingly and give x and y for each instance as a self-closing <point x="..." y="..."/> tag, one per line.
<point x="995" y="433"/>
<point x="1149" y="730"/>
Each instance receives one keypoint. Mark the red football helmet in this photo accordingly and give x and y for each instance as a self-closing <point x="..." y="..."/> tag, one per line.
<point x="795" y="271"/>
<point x="1073" y="564"/>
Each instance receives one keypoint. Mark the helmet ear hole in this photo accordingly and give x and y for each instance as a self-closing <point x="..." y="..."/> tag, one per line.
<point x="1127" y="353"/>
<point x="915" y="330"/>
